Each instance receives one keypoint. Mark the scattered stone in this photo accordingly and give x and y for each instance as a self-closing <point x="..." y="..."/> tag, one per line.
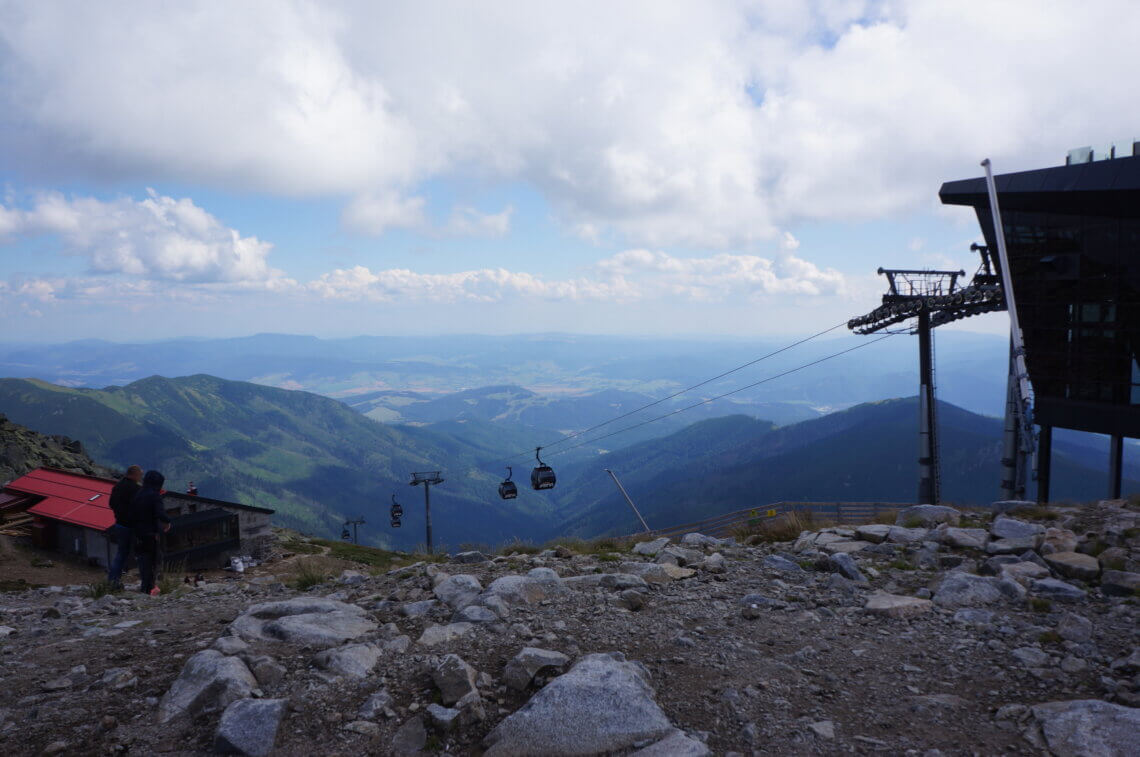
<point x="459" y="591"/>
<point x="900" y="535"/>
<point x="351" y="578"/>
<point x="352" y="660"/>
<point x="715" y="563"/>
<point x="1118" y="583"/>
<point x="410" y="738"/>
<point x="993" y="566"/>
<point x="377" y="703"/>
<point x="1073" y="627"/>
<point x="656" y="573"/>
<point x="437" y="634"/>
<point x="776" y="562"/>
<point x="1013" y="546"/>
<point x="967" y="590"/>
<point x="1127" y="665"/>
<point x="249" y="726"/>
<point x="650" y="548"/>
<point x="974" y="617"/>
<point x="1058" y="540"/>
<point x="876" y="533"/>
<point x="845" y="565"/>
<point x="267" y="671"/>
<point x="470" y="558"/>
<point x="364" y="727"/>
<point x="1051" y="588"/>
<point x="895" y="606"/>
<point x="1031" y="657"/>
<point x="230" y="645"/>
<point x="825" y="729"/>
<point x="418" y="609"/>
<point x="1072" y="665"/>
<point x="605" y="691"/>
<point x="676" y="744"/>
<point x="442" y="718"/>
<point x="631" y="599"/>
<point x="474" y="614"/>
<point x="845" y="547"/>
<point x="962" y="538"/>
<point x="699" y="541"/>
<point x="1024" y="572"/>
<point x="1088" y="727"/>
<point x="1011" y="528"/>
<point x="454" y="678"/>
<point x="209" y="681"/>
<point x="525" y="665"/>
<point x="927" y="515"/>
<point x="118" y="679"/>
<point x="1074" y="565"/>
<point x="312" y="621"/>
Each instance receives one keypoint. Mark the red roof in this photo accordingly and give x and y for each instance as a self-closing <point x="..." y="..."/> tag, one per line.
<point x="69" y="497"/>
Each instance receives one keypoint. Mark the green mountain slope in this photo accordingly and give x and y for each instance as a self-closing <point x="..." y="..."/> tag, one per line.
<point x="866" y="453"/>
<point x="313" y="459"/>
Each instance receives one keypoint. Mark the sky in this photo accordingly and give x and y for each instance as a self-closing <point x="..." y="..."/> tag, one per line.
<point x="659" y="168"/>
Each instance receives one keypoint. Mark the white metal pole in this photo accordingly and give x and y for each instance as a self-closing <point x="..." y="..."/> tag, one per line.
<point x="627" y="499"/>
<point x="1007" y="287"/>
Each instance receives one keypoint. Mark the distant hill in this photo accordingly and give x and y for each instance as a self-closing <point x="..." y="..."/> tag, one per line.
<point x="311" y="458"/>
<point x="866" y="453"/>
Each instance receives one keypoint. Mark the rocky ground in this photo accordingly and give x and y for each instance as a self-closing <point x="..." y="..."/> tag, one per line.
<point x="947" y="633"/>
<point x="23" y="450"/>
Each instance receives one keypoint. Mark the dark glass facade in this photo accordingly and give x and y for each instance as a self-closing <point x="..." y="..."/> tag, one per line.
<point x="1073" y="239"/>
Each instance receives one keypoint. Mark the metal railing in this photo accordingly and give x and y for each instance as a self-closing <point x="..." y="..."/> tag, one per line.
<point x="724" y="524"/>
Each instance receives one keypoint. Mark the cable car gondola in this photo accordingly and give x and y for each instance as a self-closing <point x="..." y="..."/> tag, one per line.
<point x="541" y="477"/>
<point x="396" y="512"/>
<point x="507" y="489"/>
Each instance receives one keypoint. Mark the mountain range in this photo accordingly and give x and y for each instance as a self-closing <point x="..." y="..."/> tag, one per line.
<point x="311" y="458"/>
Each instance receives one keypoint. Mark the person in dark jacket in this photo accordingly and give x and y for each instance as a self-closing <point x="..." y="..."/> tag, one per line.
<point x="147" y="517"/>
<point x="121" y="533"/>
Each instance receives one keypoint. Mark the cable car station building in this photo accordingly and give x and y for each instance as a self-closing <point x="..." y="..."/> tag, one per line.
<point x="1072" y="234"/>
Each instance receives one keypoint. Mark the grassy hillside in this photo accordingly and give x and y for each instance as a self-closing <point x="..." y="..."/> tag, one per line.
<point x="313" y="459"/>
<point x="866" y="453"/>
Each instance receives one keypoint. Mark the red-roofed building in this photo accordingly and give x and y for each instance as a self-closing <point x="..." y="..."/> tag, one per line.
<point x="72" y="511"/>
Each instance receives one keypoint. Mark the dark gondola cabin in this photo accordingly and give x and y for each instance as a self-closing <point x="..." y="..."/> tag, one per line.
<point x="507" y="489"/>
<point x="542" y="477"/>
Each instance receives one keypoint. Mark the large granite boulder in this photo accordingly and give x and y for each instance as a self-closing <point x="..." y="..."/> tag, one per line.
<point x="1088" y="728"/>
<point x="312" y="621"/>
<point x="249" y="726"/>
<point x="604" y="704"/>
<point x="968" y="590"/>
<point x="209" y="681"/>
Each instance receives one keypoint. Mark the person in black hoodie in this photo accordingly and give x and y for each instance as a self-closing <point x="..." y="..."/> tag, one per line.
<point x="121" y="533"/>
<point x="147" y="516"/>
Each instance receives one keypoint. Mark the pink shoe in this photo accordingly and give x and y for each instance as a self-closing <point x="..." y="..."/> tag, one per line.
<point x="155" y="591"/>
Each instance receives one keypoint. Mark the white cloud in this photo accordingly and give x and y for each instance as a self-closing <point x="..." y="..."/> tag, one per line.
<point x="467" y="221"/>
<point x="155" y="238"/>
<point x="629" y="276"/>
<point x="704" y="124"/>
<point x="377" y="212"/>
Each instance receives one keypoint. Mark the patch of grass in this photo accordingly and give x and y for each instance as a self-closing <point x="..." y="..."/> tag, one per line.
<point x="1116" y="563"/>
<point x="17" y="584"/>
<point x="900" y="564"/>
<point x="300" y="547"/>
<point x="41" y="562"/>
<point x="309" y="573"/>
<point x="97" y="589"/>
<point x="913" y="522"/>
<point x="609" y="557"/>
<point x="1131" y="533"/>
<point x="171" y="578"/>
<point x="474" y="547"/>
<point x="358" y="553"/>
<point x="785" y="527"/>
<point x="807" y="564"/>
<point x="1097" y="547"/>
<point x="886" y="517"/>
<point x="1040" y="605"/>
<point x="519" y="546"/>
<point x="1038" y="513"/>
<point x="1049" y="637"/>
